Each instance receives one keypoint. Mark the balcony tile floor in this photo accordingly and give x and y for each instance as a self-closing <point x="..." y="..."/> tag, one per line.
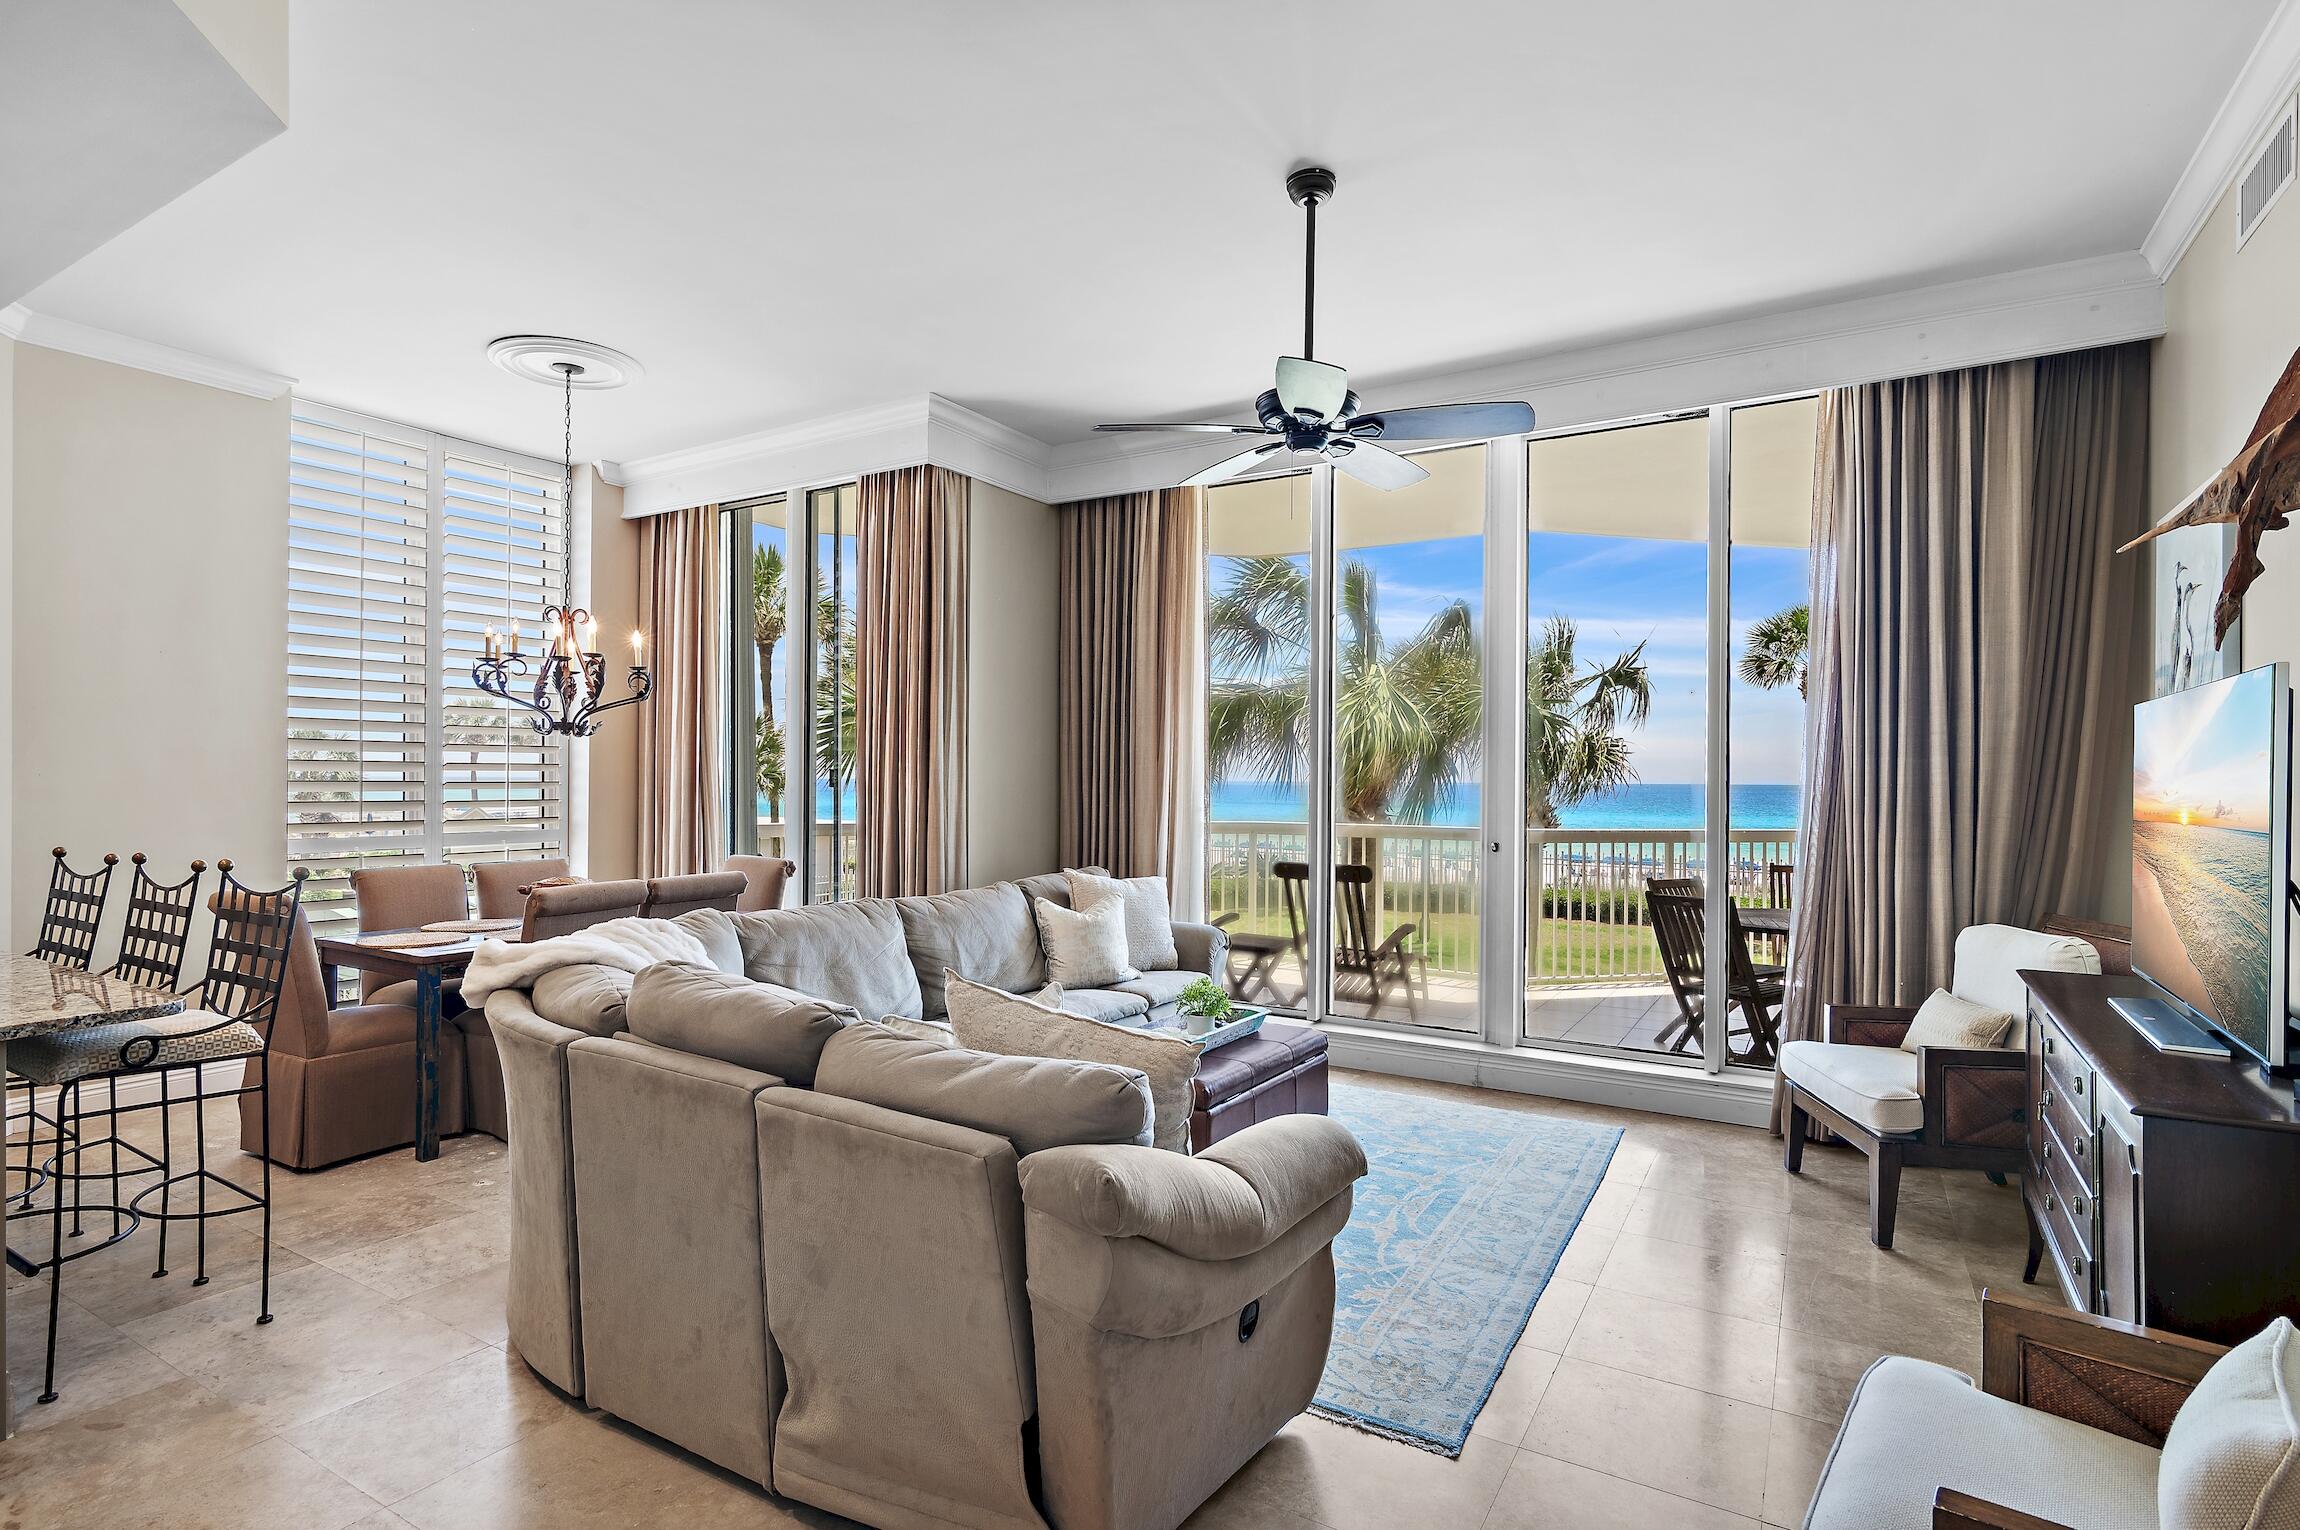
<point x="1686" y="1366"/>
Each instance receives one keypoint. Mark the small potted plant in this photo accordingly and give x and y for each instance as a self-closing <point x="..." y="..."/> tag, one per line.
<point x="1205" y="1002"/>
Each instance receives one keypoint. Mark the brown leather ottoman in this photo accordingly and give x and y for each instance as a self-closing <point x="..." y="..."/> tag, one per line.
<point x="1280" y="1070"/>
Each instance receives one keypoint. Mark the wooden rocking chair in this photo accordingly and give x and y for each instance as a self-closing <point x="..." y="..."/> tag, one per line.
<point x="1382" y="964"/>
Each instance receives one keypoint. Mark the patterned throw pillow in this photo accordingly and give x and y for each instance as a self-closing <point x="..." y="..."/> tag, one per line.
<point x="1945" y="1020"/>
<point x="1083" y="950"/>
<point x="1149" y="916"/>
<point x="986" y="1020"/>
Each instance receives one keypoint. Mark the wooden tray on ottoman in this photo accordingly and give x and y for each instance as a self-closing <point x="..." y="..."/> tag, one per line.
<point x="1279" y="1070"/>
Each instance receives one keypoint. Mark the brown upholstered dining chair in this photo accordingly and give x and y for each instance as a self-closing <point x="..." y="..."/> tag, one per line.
<point x="503" y="885"/>
<point x="343" y="1080"/>
<point x="570" y="906"/>
<point x="405" y="898"/>
<point x="764" y="878"/>
<point x="669" y="897"/>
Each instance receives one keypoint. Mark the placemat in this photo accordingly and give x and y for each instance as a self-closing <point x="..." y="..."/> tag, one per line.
<point x="409" y="939"/>
<point x="474" y="926"/>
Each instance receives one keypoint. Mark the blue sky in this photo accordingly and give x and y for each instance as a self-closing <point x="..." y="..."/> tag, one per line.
<point x="1621" y="591"/>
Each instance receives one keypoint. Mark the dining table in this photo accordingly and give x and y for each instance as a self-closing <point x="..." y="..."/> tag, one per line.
<point x="428" y="958"/>
<point x="38" y="998"/>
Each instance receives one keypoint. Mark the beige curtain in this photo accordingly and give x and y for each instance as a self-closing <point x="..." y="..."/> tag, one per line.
<point x="1133" y="689"/>
<point x="683" y="729"/>
<point x="1974" y="658"/>
<point x="910" y="681"/>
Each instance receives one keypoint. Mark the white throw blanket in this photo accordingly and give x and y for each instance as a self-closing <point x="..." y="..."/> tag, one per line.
<point x="630" y="945"/>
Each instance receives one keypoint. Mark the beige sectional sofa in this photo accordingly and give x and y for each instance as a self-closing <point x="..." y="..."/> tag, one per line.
<point x="911" y="1284"/>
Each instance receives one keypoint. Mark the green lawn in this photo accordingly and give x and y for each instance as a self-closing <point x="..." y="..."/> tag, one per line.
<point x="1569" y="949"/>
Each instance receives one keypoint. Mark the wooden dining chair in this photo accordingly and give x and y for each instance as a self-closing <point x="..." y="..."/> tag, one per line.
<point x="1680" y="928"/>
<point x="1380" y="963"/>
<point x="1780" y="884"/>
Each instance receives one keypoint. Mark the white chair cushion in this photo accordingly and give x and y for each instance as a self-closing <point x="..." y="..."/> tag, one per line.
<point x="1989" y="961"/>
<point x="62" y="1056"/>
<point x="2232" y="1460"/>
<point x="1915" y="1428"/>
<point x="1876" y="1086"/>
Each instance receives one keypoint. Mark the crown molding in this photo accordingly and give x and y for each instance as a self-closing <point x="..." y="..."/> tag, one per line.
<point x="50" y="333"/>
<point x="2037" y="312"/>
<point x="928" y="428"/>
<point x="2263" y="87"/>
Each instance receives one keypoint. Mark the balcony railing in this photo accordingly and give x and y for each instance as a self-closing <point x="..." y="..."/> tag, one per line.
<point x="1585" y="892"/>
<point x="775" y="839"/>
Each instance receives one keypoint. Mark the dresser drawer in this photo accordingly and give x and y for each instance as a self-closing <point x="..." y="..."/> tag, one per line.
<point x="2068" y="1196"/>
<point x="2070" y="1133"/>
<point x="2066" y="1073"/>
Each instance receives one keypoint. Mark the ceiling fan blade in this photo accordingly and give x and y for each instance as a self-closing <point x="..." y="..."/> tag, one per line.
<point x="1377" y="466"/>
<point x="1445" y="422"/>
<point x="1311" y="387"/>
<point x="1194" y="425"/>
<point x="1231" y="466"/>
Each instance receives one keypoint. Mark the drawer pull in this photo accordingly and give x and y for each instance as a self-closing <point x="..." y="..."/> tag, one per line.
<point x="2076" y="1084"/>
<point x="2046" y="1099"/>
<point x="2048" y="1046"/>
<point x="2049" y="1203"/>
<point x="2077" y="1148"/>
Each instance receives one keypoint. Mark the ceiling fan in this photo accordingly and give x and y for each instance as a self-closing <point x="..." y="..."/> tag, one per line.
<point x="1313" y="413"/>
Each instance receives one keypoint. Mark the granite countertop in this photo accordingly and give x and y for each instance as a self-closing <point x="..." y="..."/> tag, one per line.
<point x="42" y="998"/>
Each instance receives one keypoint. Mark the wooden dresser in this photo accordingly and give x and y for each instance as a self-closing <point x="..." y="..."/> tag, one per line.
<point x="2161" y="1190"/>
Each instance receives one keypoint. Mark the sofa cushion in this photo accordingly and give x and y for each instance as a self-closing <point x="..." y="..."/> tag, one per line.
<point x="849" y="953"/>
<point x="1914" y="1428"/>
<point x="1054" y="886"/>
<point x="585" y="997"/>
<point x="1944" y="1020"/>
<point x="1875" y="1086"/>
<point x="2232" y="1458"/>
<point x="1155" y="989"/>
<point x="1149" y="916"/>
<point x="720" y="1015"/>
<point x="982" y="933"/>
<point x="1101" y="1003"/>
<point x="989" y="1021"/>
<point x="1084" y="949"/>
<point x="717" y="933"/>
<point x="1033" y="1102"/>
<point x="936" y="1031"/>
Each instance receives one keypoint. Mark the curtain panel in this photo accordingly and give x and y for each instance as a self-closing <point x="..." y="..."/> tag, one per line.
<point x="683" y="729"/>
<point x="1973" y="663"/>
<point x="910" y="681"/>
<point x="1133" y="689"/>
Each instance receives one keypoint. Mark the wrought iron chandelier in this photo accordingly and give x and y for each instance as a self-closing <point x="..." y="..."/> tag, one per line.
<point x="570" y="671"/>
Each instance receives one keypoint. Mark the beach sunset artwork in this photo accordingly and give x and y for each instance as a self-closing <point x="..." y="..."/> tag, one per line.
<point x="2206" y="892"/>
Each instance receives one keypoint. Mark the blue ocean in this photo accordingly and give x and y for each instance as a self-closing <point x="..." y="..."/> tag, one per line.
<point x="1644" y="805"/>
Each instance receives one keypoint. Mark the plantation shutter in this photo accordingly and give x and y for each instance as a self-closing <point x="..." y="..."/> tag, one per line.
<point x="403" y="547"/>
<point x="359" y="497"/>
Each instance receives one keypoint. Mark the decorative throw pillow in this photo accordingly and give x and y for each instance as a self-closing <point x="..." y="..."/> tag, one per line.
<point x="2232" y="1458"/>
<point x="1083" y="950"/>
<point x="1944" y="1020"/>
<point x="1149" y="917"/>
<point x="986" y="1020"/>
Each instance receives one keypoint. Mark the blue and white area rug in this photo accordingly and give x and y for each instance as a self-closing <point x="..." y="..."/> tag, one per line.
<point x="1461" y="1218"/>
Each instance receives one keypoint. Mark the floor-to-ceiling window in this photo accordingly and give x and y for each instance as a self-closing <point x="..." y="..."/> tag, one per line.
<point x="791" y="701"/>
<point x="1373" y="860"/>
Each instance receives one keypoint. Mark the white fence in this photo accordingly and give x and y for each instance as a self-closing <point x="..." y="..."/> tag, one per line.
<point x="1585" y="892"/>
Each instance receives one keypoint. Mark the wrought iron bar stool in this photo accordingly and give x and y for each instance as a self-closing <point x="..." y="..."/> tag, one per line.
<point x="247" y="960"/>
<point x="68" y="925"/>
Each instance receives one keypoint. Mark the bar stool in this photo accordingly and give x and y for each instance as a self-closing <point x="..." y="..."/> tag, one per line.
<point x="68" y="925"/>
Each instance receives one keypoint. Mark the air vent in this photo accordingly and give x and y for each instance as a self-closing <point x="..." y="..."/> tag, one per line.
<point x="2265" y="179"/>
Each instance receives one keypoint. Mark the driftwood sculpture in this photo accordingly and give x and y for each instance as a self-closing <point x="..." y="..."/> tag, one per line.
<point x="2259" y="491"/>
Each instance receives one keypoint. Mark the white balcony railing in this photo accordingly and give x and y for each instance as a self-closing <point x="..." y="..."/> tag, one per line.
<point x="1585" y="892"/>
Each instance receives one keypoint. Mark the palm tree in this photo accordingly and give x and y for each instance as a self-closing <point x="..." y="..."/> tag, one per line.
<point x="1407" y="716"/>
<point x="835" y="695"/>
<point x="1775" y="656"/>
<point x="768" y="619"/>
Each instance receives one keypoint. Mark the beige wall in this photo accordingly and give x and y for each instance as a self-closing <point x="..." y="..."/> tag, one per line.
<point x="2233" y="321"/>
<point x="148" y="624"/>
<point x="1012" y="551"/>
<point x="605" y="580"/>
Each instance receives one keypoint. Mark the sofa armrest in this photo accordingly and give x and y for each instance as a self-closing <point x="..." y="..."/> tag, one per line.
<point x="1867" y="1025"/>
<point x="2058" y="1361"/>
<point x="1953" y="1510"/>
<point x="1234" y="1199"/>
<point x="1200" y="948"/>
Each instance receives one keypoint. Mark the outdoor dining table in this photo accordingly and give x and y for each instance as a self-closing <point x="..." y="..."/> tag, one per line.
<point x="387" y="954"/>
<point x="36" y="999"/>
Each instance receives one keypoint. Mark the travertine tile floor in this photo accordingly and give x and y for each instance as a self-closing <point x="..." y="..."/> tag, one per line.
<point x="1687" y="1365"/>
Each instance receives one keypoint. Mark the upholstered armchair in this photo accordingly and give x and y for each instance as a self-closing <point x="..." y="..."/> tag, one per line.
<point x="343" y="1080"/>
<point x="1936" y="1107"/>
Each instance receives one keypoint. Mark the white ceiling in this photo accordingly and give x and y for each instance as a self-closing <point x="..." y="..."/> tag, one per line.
<point x="1058" y="212"/>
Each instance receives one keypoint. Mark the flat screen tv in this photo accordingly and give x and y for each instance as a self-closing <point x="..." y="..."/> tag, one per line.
<point x="2211" y="855"/>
